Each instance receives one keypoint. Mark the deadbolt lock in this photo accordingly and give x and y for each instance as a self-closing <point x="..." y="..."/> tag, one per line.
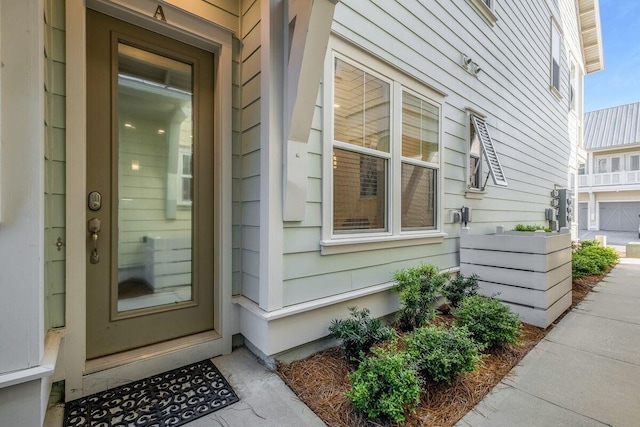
<point x="95" y="201"/>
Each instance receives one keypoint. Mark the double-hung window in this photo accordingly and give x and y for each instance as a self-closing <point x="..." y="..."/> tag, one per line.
<point x="420" y="160"/>
<point x="382" y="176"/>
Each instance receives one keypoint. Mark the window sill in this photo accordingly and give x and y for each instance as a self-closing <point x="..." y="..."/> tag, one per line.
<point x="555" y="92"/>
<point x="473" y="193"/>
<point x="336" y="246"/>
<point x="484" y="11"/>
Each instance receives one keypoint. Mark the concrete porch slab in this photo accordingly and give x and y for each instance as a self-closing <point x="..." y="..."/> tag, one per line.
<point x="264" y="399"/>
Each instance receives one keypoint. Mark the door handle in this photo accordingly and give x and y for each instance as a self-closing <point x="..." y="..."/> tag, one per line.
<point x="94" y="229"/>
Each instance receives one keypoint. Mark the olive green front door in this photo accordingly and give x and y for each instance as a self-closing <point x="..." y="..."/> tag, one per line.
<point x="150" y="193"/>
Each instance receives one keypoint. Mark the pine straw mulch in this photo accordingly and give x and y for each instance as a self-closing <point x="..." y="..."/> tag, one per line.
<point x="321" y="380"/>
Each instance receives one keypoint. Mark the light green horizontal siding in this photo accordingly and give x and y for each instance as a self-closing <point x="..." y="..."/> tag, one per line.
<point x="528" y="124"/>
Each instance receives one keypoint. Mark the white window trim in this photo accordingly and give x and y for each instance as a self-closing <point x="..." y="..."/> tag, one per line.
<point x="341" y="243"/>
<point x="558" y="30"/>
<point x="486" y="12"/>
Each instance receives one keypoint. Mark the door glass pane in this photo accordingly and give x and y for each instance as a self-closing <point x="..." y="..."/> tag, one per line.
<point x="155" y="179"/>
<point x="634" y="163"/>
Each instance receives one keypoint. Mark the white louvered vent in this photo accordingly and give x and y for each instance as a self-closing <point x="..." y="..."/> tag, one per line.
<point x="495" y="168"/>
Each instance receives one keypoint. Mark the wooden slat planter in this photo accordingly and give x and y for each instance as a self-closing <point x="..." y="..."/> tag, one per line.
<point x="168" y="261"/>
<point x="531" y="271"/>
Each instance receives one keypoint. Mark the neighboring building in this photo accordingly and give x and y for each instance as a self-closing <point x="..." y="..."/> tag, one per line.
<point x="609" y="176"/>
<point x="181" y="176"/>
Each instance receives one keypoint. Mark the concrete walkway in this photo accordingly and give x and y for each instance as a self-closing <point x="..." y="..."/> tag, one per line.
<point x="585" y="372"/>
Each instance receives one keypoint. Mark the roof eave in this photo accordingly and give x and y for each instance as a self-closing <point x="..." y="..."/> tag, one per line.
<point x="591" y="35"/>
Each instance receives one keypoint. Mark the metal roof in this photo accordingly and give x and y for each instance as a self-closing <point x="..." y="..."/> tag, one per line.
<point x="612" y="127"/>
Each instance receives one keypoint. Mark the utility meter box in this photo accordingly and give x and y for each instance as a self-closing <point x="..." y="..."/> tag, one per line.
<point x="565" y="208"/>
<point x="562" y="203"/>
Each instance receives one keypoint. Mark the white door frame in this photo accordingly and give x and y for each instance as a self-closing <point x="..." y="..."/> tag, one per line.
<point x="202" y="33"/>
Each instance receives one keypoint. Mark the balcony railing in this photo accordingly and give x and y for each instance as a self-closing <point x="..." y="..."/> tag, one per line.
<point x="612" y="178"/>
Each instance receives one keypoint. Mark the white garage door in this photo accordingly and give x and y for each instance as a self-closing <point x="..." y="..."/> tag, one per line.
<point x="619" y="216"/>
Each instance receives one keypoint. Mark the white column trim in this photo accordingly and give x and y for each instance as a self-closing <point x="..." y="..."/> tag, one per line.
<point x="76" y="168"/>
<point x="271" y="148"/>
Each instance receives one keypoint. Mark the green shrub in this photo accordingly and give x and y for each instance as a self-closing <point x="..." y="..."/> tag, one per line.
<point x="359" y="333"/>
<point x="418" y="289"/>
<point x="522" y="227"/>
<point x="442" y="354"/>
<point x="460" y="287"/>
<point x="589" y="257"/>
<point x="587" y="243"/>
<point x="385" y="385"/>
<point x="488" y="320"/>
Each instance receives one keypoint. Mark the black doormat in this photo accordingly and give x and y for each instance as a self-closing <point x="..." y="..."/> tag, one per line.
<point x="172" y="398"/>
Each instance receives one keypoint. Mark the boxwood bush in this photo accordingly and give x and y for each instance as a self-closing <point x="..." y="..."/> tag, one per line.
<point x="489" y="321"/>
<point x="358" y="333"/>
<point x="418" y="289"/>
<point x="460" y="287"/>
<point x="385" y="386"/>
<point x="589" y="258"/>
<point x="442" y="354"/>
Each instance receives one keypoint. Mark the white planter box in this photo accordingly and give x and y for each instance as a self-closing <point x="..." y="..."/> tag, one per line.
<point x="168" y="261"/>
<point x="531" y="271"/>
